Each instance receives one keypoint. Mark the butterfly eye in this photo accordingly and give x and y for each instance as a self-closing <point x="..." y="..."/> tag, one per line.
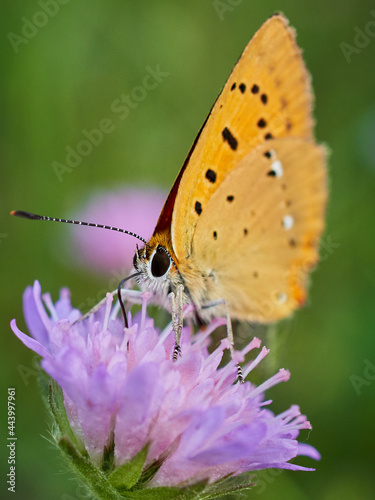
<point x="160" y="263"/>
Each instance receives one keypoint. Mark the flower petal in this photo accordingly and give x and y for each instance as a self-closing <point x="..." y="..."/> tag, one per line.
<point x="29" y="342"/>
<point x="140" y="401"/>
<point x="36" y="318"/>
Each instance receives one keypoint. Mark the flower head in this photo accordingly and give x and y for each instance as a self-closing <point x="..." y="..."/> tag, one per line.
<point x="123" y="392"/>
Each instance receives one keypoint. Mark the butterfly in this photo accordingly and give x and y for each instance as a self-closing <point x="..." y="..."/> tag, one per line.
<point x="240" y="228"/>
<point x="239" y="232"/>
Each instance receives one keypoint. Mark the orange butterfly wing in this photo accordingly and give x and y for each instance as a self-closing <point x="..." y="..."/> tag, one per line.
<point x="267" y="95"/>
<point x="255" y="252"/>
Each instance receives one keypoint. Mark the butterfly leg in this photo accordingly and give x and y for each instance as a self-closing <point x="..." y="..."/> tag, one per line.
<point x="231" y="340"/>
<point x="229" y="333"/>
<point x="177" y="318"/>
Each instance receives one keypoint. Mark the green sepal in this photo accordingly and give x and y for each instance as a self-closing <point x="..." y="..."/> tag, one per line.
<point x="194" y="492"/>
<point x="43" y="384"/>
<point x="92" y="477"/>
<point x="108" y="458"/>
<point x="53" y="399"/>
<point x="149" y="473"/>
<point x="162" y="493"/>
<point x="126" y="476"/>
<point x="224" y="487"/>
<point x="60" y="418"/>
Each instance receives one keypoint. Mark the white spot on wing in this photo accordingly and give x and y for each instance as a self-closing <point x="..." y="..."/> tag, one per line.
<point x="281" y="297"/>
<point x="288" y="222"/>
<point x="277" y="168"/>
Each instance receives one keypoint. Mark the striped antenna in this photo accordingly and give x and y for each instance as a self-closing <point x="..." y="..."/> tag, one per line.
<point x="28" y="215"/>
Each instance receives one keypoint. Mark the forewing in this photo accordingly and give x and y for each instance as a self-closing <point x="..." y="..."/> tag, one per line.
<point x="267" y="95"/>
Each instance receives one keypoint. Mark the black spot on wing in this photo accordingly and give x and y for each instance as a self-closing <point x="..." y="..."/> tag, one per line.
<point x="211" y="175"/>
<point x="242" y="88"/>
<point x="229" y="138"/>
<point x="255" y="89"/>
<point x="230" y="198"/>
<point x="198" y="207"/>
<point x="262" y="123"/>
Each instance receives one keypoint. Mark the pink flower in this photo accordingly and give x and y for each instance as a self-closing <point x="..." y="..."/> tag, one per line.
<point x="197" y="424"/>
<point x="134" y="209"/>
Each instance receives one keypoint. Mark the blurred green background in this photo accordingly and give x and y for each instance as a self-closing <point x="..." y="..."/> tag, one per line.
<point x="65" y="78"/>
